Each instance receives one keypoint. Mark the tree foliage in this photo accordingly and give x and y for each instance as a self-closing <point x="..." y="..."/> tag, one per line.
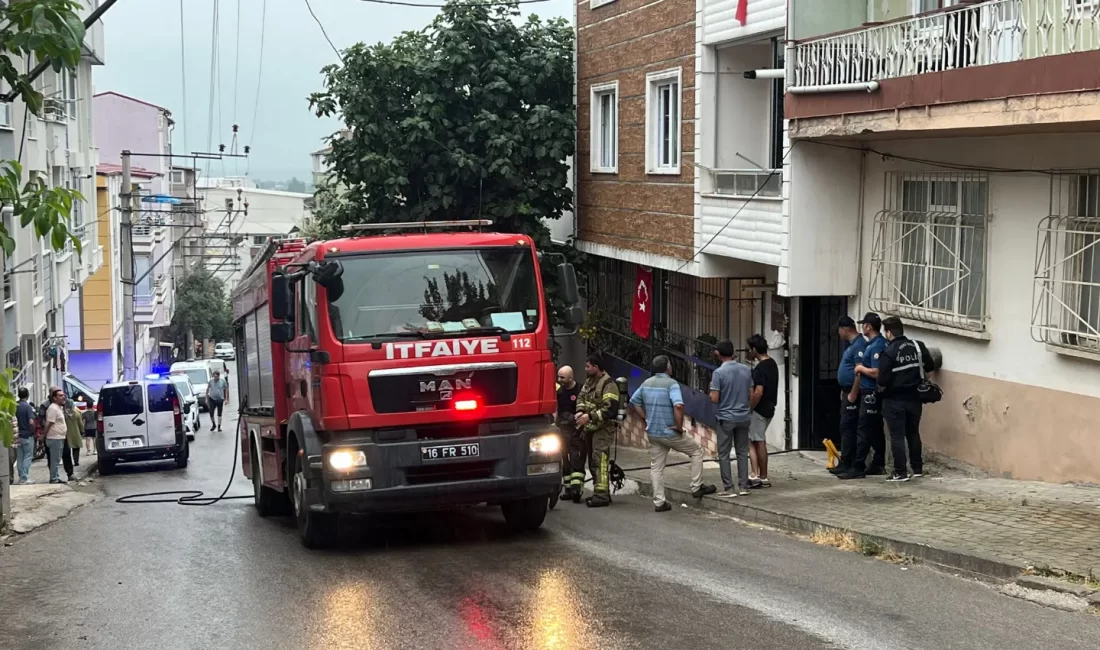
<point x="202" y="307"/>
<point x="470" y="118"/>
<point x="35" y="30"/>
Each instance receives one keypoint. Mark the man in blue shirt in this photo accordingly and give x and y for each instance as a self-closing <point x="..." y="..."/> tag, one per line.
<point x="849" y="405"/>
<point x="661" y="404"/>
<point x="869" y="431"/>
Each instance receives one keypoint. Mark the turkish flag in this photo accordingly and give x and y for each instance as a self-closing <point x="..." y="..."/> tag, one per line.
<point x="742" y="13"/>
<point x="642" y="315"/>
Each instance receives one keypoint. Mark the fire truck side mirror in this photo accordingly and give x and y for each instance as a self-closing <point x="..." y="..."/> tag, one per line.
<point x="567" y="282"/>
<point x="280" y="298"/>
<point x="282" y="332"/>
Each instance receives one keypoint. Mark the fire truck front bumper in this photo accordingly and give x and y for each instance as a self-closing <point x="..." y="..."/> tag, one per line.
<point x="363" y="476"/>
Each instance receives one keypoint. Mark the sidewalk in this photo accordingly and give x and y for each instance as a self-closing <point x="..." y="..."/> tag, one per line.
<point x="984" y="526"/>
<point x="40" y="503"/>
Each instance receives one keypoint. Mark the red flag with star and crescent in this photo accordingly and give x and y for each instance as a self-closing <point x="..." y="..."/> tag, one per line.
<point x="642" y="315"/>
<point x="742" y="13"/>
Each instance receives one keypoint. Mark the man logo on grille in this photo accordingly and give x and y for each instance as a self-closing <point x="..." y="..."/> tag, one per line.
<point x="445" y="387"/>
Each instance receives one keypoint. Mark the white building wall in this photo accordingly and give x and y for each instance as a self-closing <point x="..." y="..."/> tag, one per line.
<point x="719" y="21"/>
<point x="1017" y="203"/>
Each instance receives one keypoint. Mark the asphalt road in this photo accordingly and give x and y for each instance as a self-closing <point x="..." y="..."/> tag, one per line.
<point x="167" y="577"/>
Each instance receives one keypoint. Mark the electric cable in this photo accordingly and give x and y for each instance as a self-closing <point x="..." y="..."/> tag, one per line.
<point x="325" y="33"/>
<point x="193" y="497"/>
<point x="259" y="73"/>
<point x="183" y="80"/>
<point x="213" y="65"/>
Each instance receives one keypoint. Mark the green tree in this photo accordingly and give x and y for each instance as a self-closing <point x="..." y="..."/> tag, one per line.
<point x="470" y="118"/>
<point x="295" y="185"/>
<point x="202" y="308"/>
<point x="35" y="30"/>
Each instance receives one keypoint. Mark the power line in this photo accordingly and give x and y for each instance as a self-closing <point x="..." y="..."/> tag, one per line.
<point x="259" y="73"/>
<point x="237" y="62"/>
<point x="318" y="21"/>
<point x="183" y="78"/>
<point x="213" y="64"/>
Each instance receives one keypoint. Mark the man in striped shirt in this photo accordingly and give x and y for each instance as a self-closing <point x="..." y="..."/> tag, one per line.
<point x="661" y="404"/>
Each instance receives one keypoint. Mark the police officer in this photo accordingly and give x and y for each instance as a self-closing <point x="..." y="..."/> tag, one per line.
<point x="846" y="377"/>
<point x="597" y="412"/>
<point x="899" y="376"/>
<point x="869" y="433"/>
<point x="572" y="436"/>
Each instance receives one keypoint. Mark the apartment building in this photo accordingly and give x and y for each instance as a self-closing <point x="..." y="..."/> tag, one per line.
<point x="679" y="186"/>
<point x="944" y="168"/>
<point x="42" y="286"/>
<point x="126" y="123"/>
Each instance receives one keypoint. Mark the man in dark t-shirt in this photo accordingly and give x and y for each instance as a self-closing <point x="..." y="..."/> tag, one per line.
<point x="573" y="437"/>
<point x="765" y="392"/>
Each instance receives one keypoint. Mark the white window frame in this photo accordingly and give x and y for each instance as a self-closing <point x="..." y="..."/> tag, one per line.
<point x="177" y="176"/>
<point x="597" y="92"/>
<point x="926" y="261"/>
<point x="1066" y="295"/>
<point x="654" y="81"/>
<point x="593" y="4"/>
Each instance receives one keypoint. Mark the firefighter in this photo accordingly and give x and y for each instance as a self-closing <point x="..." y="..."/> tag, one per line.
<point x="572" y="436"/>
<point x="597" y="413"/>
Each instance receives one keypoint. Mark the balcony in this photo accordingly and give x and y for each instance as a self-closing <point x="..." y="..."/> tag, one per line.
<point x="93" y="48"/>
<point x="742" y="215"/>
<point x="144" y="306"/>
<point x="992" y="50"/>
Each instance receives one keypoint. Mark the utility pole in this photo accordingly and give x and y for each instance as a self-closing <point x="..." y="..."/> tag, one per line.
<point x="126" y="253"/>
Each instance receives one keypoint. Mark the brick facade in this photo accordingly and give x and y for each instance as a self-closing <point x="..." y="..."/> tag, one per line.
<point x="624" y="41"/>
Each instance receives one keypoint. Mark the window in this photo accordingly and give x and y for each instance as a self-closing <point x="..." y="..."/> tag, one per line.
<point x="121" y="400"/>
<point x="259" y="240"/>
<point x="605" y="128"/>
<point x="177" y="176"/>
<point x="775" y="133"/>
<point x="663" y="122"/>
<point x="929" y="258"/>
<point x="36" y="275"/>
<point x="592" y="4"/>
<point x="161" y="397"/>
<point x="141" y="266"/>
<point x="9" y="284"/>
<point x="1066" y="296"/>
<point x="307" y="309"/>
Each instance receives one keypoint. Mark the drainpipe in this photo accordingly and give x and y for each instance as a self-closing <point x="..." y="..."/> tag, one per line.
<point x="868" y="86"/>
<point x="774" y="73"/>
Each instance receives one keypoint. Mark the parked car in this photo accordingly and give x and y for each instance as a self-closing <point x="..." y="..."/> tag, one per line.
<point x="140" y="421"/>
<point x="190" y="404"/>
<point x="225" y="351"/>
<point x="199" y="373"/>
<point x="74" y="387"/>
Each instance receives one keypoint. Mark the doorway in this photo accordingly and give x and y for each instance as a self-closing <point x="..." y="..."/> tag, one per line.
<point x="819" y="394"/>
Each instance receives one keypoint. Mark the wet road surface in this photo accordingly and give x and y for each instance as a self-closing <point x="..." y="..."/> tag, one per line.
<point x="167" y="577"/>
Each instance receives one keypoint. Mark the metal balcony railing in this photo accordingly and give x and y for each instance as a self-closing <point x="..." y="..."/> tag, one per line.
<point x="997" y="31"/>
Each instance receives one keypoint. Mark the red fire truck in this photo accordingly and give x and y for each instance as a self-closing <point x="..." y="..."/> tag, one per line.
<point x="405" y="367"/>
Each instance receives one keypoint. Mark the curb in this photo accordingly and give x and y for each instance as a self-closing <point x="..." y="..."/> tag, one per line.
<point x="975" y="565"/>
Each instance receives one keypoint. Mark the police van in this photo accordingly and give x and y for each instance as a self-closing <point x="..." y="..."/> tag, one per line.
<point x="140" y="420"/>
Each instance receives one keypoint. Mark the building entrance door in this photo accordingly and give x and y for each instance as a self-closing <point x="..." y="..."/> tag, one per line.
<point x="819" y="394"/>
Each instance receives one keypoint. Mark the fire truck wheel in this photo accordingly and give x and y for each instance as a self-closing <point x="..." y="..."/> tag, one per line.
<point x="525" y="515"/>
<point x="316" y="529"/>
<point x="268" y="502"/>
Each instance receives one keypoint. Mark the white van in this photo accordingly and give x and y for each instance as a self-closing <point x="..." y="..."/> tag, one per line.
<point x="140" y="420"/>
<point x="199" y="373"/>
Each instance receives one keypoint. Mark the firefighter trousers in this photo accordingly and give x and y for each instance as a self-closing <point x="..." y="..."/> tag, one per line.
<point x="599" y="461"/>
<point x="576" y="452"/>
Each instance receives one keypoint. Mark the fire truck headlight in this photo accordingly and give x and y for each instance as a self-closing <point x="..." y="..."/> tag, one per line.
<point x="343" y="459"/>
<point x="546" y="445"/>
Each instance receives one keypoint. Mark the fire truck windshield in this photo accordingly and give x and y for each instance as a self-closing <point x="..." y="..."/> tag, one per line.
<point x="438" y="293"/>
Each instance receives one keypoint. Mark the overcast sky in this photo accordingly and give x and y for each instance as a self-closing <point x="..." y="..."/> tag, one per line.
<point x="144" y="60"/>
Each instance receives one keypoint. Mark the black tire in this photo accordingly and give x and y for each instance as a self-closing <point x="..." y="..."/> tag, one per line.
<point x="268" y="502"/>
<point x="106" y="466"/>
<point x="553" y="500"/>
<point x="315" y="529"/>
<point x="525" y="515"/>
<point x="183" y="455"/>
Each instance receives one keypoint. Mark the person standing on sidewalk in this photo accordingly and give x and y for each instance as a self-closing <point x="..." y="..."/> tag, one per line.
<point x="661" y="404"/>
<point x="597" y="409"/>
<point x="56" y="430"/>
<point x="89" y="426"/>
<point x="217" y="394"/>
<point x="572" y="436"/>
<point x="869" y="432"/>
<point x="24" y="419"/>
<point x="900" y="374"/>
<point x="765" y="393"/>
<point x="74" y="438"/>
<point x="846" y="377"/>
<point x="730" y="387"/>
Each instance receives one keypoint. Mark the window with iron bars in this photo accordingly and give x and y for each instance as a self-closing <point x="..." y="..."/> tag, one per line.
<point x="929" y="257"/>
<point x="1066" y="291"/>
<point x="690" y="315"/>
